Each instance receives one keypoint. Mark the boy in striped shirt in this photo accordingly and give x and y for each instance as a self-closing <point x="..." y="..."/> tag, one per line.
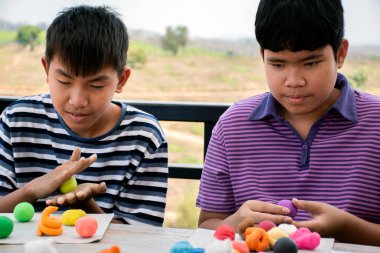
<point x="117" y="153"/>
<point x="312" y="138"/>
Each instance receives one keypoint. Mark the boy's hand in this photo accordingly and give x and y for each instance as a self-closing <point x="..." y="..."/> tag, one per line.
<point x="253" y="209"/>
<point x="327" y="220"/>
<point x="45" y="185"/>
<point x="260" y="211"/>
<point x="81" y="194"/>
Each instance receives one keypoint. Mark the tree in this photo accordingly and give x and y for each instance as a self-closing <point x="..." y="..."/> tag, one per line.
<point x="358" y="79"/>
<point x="175" y="38"/>
<point x="28" y="36"/>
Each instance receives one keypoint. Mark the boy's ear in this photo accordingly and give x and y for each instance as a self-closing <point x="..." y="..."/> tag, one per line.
<point x="262" y="53"/>
<point x="342" y="53"/>
<point x="45" y="64"/>
<point x="123" y="78"/>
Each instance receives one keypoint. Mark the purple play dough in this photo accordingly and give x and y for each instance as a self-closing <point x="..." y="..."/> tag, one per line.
<point x="288" y="204"/>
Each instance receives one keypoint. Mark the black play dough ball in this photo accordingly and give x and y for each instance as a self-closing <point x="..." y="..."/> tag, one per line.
<point x="285" y="245"/>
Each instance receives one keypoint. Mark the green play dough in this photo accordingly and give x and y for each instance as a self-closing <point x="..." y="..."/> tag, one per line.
<point x="69" y="185"/>
<point x="6" y="226"/>
<point x="23" y="212"/>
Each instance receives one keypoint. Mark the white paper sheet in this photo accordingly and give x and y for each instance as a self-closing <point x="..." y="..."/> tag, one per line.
<point x="26" y="231"/>
<point x="202" y="237"/>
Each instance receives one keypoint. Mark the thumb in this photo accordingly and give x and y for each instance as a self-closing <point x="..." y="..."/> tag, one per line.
<point x="98" y="189"/>
<point x="308" y="206"/>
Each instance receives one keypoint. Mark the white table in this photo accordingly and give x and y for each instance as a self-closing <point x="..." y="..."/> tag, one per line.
<point x="146" y="239"/>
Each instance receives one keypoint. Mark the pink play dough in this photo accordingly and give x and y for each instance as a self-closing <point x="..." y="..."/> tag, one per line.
<point x="86" y="226"/>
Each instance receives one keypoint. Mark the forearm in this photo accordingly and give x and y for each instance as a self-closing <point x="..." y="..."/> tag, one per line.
<point x="212" y="220"/>
<point x="9" y="201"/>
<point x="359" y="231"/>
<point x="211" y="223"/>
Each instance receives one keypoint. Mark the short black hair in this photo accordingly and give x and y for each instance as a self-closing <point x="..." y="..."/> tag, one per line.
<point x="299" y="24"/>
<point x="87" y="39"/>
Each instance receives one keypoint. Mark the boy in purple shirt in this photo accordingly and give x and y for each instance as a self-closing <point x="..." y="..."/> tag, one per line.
<point x="312" y="138"/>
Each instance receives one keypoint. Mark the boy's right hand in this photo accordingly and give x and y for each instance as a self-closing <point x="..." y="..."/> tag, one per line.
<point x="253" y="209"/>
<point x="44" y="186"/>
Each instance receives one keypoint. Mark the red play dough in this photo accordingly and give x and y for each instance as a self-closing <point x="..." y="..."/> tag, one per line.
<point x="225" y="232"/>
<point x="86" y="226"/>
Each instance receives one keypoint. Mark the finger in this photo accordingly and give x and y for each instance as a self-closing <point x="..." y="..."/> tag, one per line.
<point x="277" y="219"/>
<point x="71" y="198"/>
<point x="84" y="163"/>
<point x="266" y="207"/>
<point x="75" y="155"/>
<point x="61" y="200"/>
<point x="101" y="188"/>
<point x="309" y="206"/>
<point x="310" y="224"/>
<point x="51" y="202"/>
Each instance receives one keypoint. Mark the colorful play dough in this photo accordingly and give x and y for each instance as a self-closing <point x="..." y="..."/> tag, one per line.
<point x="40" y="246"/>
<point x="49" y="225"/>
<point x="287" y="228"/>
<point x="196" y="250"/>
<point x="266" y="225"/>
<point x="240" y="247"/>
<point x="86" y="226"/>
<point x="256" y="239"/>
<point x="285" y="245"/>
<point x="181" y="247"/>
<point x="113" y="249"/>
<point x="69" y="185"/>
<point x="219" y="246"/>
<point x="23" y="212"/>
<point x="275" y="234"/>
<point x="246" y="223"/>
<point x="6" y="226"/>
<point x="305" y="239"/>
<point x="289" y="204"/>
<point x="71" y="216"/>
<point x="225" y="232"/>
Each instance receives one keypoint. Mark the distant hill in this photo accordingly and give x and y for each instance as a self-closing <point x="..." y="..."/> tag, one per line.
<point x="364" y="52"/>
<point x="243" y="46"/>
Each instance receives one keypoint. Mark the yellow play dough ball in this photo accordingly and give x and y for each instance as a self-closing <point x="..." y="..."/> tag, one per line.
<point x="71" y="216"/>
<point x="69" y="185"/>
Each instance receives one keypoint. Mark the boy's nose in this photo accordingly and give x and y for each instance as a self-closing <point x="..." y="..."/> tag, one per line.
<point x="78" y="98"/>
<point x="295" y="79"/>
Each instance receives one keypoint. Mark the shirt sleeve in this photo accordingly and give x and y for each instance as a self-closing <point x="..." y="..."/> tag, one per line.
<point x="143" y="199"/>
<point x="7" y="171"/>
<point x="215" y="192"/>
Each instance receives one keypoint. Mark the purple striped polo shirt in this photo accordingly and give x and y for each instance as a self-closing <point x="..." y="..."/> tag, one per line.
<point x="254" y="154"/>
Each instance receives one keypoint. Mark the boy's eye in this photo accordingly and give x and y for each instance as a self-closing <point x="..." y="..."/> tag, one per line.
<point x="63" y="82"/>
<point x="97" y="86"/>
<point x="311" y="64"/>
<point x="277" y="65"/>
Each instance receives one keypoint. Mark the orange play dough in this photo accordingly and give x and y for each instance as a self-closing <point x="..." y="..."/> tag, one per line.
<point x="49" y="225"/>
<point x="113" y="249"/>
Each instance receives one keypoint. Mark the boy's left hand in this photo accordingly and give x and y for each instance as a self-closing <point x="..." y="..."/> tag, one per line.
<point x="327" y="220"/>
<point x="81" y="194"/>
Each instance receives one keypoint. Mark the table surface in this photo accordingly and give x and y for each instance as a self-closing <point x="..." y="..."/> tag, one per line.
<point x="145" y="239"/>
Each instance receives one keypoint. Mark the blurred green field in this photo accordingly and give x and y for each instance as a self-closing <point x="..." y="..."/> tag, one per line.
<point x="7" y="37"/>
<point x="195" y="74"/>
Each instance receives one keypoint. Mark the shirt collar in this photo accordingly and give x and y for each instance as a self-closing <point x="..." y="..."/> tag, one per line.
<point x="345" y="104"/>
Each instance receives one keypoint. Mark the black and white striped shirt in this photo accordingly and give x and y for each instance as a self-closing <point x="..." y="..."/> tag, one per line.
<point x="131" y="159"/>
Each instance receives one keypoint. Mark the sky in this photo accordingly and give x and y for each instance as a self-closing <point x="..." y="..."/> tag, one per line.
<point x="204" y="18"/>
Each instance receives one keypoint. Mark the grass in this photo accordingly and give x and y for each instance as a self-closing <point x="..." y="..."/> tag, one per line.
<point x="7" y="37"/>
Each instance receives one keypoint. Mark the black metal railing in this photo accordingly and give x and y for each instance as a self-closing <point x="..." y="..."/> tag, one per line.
<point x="206" y="113"/>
